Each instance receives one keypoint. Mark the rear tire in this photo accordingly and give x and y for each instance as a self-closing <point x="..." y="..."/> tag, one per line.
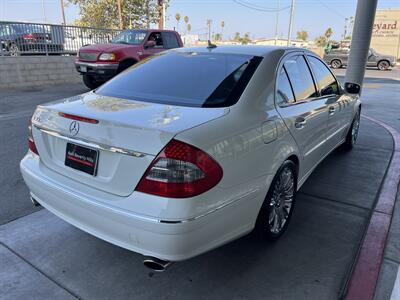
<point x="13" y="50"/>
<point x="90" y="82"/>
<point x="276" y="211"/>
<point x="336" y="64"/>
<point x="383" y="65"/>
<point x="352" y="135"/>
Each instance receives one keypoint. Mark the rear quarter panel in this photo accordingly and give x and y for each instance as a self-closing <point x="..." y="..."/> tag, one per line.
<point x="250" y="143"/>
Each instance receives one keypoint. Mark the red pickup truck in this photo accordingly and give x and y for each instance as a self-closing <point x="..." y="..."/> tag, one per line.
<point x="100" y="62"/>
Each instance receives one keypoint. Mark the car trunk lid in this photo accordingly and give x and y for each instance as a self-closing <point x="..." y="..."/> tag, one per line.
<point x="127" y="136"/>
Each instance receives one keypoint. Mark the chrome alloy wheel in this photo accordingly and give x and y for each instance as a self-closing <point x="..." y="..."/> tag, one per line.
<point x="281" y="200"/>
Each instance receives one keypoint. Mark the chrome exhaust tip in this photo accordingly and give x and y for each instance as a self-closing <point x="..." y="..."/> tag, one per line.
<point x="34" y="202"/>
<point x="156" y="264"/>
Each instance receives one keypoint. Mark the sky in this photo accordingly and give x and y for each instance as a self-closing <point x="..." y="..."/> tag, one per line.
<point x="314" y="16"/>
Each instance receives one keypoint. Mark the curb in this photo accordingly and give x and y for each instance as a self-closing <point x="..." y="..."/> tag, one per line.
<point x="364" y="277"/>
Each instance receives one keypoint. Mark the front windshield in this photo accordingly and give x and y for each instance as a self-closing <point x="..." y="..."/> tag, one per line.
<point x="130" y="37"/>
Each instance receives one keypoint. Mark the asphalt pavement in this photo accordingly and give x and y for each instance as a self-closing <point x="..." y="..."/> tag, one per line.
<point x="44" y="257"/>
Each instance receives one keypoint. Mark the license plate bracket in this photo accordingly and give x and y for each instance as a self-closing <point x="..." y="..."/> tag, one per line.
<point x="81" y="158"/>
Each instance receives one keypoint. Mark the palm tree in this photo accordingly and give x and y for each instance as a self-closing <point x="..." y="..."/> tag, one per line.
<point x="189" y="28"/>
<point x="236" y="37"/>
<point x="177" y="18"/>
<point x="222" y="28"/>
<point x="186" y="19"/>
<point x="302" y="35"/>
<point x="245" y="39"/>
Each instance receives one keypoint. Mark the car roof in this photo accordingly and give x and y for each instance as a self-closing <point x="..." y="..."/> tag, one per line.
<point x="254" y="50"/>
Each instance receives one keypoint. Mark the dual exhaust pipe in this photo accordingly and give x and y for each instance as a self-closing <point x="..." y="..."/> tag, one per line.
<point x="153" y="263"/>
<point x="156" y="264"/>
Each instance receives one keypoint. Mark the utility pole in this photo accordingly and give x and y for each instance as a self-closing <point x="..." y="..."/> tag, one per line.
<point x="276" y="24"/>
<point x="345" y="28"/>
<point x="44" y="12"/>
<point x="291" y="22"/>
<point x="121" y="24"/>
<point x="62" y="12"/>
<point x="351" y="26"/>
<point x="209" y="22"/>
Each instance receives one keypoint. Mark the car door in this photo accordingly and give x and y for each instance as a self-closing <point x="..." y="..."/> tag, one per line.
<point x="159" y="44"/>
<point x="329" y="90"/>
<point x="304" y="113"/>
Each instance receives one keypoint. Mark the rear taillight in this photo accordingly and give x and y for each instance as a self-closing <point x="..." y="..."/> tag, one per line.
<point x="28" y="36"/>
<point x="31" y="142"/>
<point x="180" y="171"/>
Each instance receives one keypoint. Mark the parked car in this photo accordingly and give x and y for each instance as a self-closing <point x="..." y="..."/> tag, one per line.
<point x="338" y="58"/>
<point x="74" y="41"/>
<point x="17" y="39"/>
<point x="100" y="62"/>
<point x="190" y="149"/>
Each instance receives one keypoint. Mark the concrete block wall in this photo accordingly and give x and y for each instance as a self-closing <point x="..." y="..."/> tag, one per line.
<point x="29" y="71"/>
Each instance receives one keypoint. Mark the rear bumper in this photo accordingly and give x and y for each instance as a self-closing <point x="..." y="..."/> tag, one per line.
<point x="99" y="70"/>
<point x="173" y="241"/>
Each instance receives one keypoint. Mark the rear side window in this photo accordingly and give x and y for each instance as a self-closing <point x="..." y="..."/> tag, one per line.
<point x="300" y="78"/>
<point x="284" y="93"/>
<point x="325" y="80"/>
<point x="170" y="40"/>
<point x="198" y="79"/>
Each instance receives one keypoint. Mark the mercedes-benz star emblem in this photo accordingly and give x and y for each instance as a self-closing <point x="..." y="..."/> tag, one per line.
<point x="74" y="128"/>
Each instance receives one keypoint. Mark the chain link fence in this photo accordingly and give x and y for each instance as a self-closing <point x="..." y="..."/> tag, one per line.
<point x="20" y="38"/>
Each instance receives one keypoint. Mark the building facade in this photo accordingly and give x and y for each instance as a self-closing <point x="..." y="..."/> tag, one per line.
<point x="386" y="32"/>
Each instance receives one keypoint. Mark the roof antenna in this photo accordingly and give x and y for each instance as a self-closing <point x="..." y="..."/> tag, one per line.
<point x="211" y="45"/>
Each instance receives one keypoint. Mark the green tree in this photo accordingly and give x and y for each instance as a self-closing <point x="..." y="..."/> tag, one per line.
<point x="302" y="35"/>
<point x="236" y="37"/>
<point x="218" y="37"/>
<point x="104" y="13"/>
<point x="189" y="28"/>
<point x="328" y="33"/>
<point x="321" y="41"/>
<point x="177" y="18"/>
<point x="245" y="39"/>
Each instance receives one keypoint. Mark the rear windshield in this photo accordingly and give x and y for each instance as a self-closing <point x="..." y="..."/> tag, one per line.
<point x="186" y="79"/>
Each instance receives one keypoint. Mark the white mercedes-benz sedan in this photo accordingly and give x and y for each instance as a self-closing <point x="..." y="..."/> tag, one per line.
<point x="191" y="148"/>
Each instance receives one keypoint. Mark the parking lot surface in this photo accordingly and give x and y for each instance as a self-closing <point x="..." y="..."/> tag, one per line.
<point x="44" y="257"/>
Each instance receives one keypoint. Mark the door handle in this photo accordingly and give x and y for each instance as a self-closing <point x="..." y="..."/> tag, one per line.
<point x="300" y="123"/>
<point x="331" y="110"/>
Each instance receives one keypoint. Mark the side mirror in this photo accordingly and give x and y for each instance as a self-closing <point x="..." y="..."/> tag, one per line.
<point x="150" y="44"/>
<point x="352" y="88"/>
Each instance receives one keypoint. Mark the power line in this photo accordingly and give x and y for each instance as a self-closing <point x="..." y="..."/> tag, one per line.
<point x="331" y="9"/>
<point x="258" y="8"/>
